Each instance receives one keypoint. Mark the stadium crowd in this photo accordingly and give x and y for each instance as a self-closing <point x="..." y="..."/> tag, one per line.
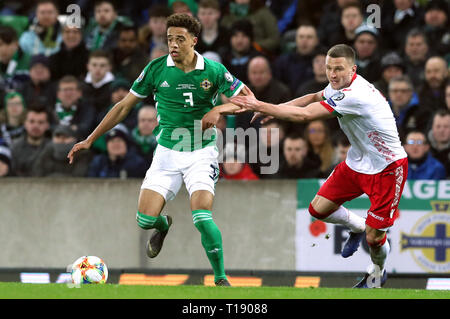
<point x="57" y="80"/>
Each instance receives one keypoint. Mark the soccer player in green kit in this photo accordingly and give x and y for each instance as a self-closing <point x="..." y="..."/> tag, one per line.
<point x="185" y="86"/>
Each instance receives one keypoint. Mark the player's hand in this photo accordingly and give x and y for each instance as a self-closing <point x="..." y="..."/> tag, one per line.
<point x="248" y="102"/>
<point x="83" y="145"/>
<point x="210" y="119"/>
<point x="258" y="115"/>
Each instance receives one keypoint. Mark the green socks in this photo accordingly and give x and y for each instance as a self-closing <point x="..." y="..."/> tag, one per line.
<point x="211" y="241"/>
<point x="148" y="222"/>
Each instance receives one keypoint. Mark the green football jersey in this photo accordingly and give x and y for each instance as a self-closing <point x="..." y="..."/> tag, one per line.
<point x="182" y="99"/>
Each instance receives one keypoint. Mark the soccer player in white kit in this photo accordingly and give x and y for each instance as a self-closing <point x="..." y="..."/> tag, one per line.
<point x="376" y="162"/>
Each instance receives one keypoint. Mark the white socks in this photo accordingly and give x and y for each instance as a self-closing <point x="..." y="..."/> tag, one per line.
<point x="345" y="217"/>
<point x="379" y="254"/>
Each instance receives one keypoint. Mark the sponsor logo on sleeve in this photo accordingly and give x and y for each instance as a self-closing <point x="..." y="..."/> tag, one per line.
<point x="140" y="77"/>
<point x="235" y="84"/>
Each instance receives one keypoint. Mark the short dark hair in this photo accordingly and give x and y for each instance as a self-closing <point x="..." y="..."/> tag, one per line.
<point x="37" y="107"/>
<point x="342" y="51"/>
<point x="416" y="32"/>
<point x="352" y="5"/>
<point x="8" y="34"/>
<point x="183" y="20"/>
<point x="100" y="54"/>
<point x="296" y="136"/>
<point x="111" y="2"/>
<point x="55" y="4"/>
<point x="158" y="11"/>
<point x="70" y="79"/>
<point x="213" y="4"/>
<point x="128" y="28"/>
<point x="441" y="113"/>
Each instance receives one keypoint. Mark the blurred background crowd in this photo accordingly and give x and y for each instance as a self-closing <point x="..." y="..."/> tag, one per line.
<point x="57" y="81"/>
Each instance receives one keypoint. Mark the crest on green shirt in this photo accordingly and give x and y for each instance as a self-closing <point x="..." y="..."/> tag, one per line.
<point x="205" y="84"/>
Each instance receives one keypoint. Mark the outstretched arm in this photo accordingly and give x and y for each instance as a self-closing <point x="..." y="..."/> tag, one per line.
<point x="285" y="111"/>
<point x="305" y="99"/>
<point x="116" y="115"/>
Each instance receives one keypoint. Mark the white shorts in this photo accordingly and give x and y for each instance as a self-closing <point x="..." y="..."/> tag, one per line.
<point x="198" y="169"/>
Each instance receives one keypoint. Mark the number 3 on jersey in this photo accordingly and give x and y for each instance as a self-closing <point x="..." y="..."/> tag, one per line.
<point x="189" y="100"/>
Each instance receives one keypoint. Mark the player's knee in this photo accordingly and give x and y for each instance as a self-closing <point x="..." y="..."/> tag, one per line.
<point x="375" y="240"/>
<point x="316" y="214"/>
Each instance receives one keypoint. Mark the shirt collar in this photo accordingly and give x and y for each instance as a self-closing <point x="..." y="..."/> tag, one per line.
<point x="200" y="65"/>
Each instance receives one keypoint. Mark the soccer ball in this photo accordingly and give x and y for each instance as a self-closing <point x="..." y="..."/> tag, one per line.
<point x="89" y="270"/>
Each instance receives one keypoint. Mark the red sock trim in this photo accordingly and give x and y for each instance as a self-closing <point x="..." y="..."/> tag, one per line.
<point x="317" y="215"/>
<point x="379" y="243"/>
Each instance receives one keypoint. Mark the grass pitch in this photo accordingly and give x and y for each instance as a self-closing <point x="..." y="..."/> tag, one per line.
<point x="10" y="290"/>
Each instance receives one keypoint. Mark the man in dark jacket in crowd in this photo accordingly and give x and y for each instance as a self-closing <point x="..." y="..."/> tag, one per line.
<point x="421" y="164"/>
<point x="27" y="148"/>
<point x="73" y="56"/>
<point x="52" y="161"/>
<point x="120" y="160"/>
<point x="71" y="109"/>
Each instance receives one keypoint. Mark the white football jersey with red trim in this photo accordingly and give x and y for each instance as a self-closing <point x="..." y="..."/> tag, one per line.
<point x="366" y="118"/>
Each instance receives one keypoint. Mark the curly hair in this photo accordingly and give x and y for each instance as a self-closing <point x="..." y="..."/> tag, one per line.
<point x="182" y="20"/>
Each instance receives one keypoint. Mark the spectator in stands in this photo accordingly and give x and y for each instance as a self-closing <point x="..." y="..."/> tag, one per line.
<point x="71" y="109"/>
<point x="39" y="88"/>
<point x="295" y="68"/>
<point x="264" y="86"/>
<point x="12" y="117"/>
<point x="52" y="161"/>
<point x="320" y="81"/>
<point x="421" y="164"/>
<point x="405" y="105"/>
<point x="128" y="58"/>
<point x="44" y="35"/>
<point x="439" y="138"/>
<point x="120" y="161"/>
<point x="213" y="36"/>
<point x="97" y="84"/>
<point x="392" y="66"/>
<point x="73" y="56"/>
<point x="103" y="31"/>
<point x="27" y="148"/>
<point x="154" y="32"/>
<point x="189" y="7"/>
<point x="432" y="91"/>
<point x="119" y="89"/>
<point x="241" y="50"/>
<point x="437" y="26"/>
<point x="260" y="156"/>
<point x="265" y="28"/>
<point x="416" y="52"/>
<point x="342" y="147"/>
<point x="234" y="166"/>
<point x="351" y="18"/>
<point x="319" y="141"/>
<point x="398" y="20"/>
<point x="142" y="134"/>
<point x="330" y="19"/>
<point x="295" y="162"/>
<point x="5" y="160"/>
<point x="14" y="62"/>
<point x="367" y="54"/>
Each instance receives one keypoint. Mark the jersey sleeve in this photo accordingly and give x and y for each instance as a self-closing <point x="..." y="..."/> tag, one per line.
<point x="343" y="102"/>
<point x="228" y="83"/>
<point x="143" y="85"/>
